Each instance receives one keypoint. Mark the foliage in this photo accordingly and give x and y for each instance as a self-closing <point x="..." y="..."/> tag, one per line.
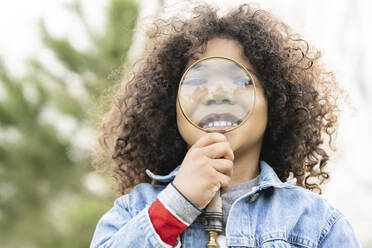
<point x="43" y="169"/>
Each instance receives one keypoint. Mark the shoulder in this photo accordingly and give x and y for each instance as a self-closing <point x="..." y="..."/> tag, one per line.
<point x="308" y="209"/>
<point x="303" y="217"/>
<point x="296" y="194"/>
<point x="140" y="196"/>
<point x="306" y="202"/>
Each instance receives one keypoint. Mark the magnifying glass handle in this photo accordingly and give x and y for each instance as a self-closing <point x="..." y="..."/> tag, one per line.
<point x="213" y="220"/>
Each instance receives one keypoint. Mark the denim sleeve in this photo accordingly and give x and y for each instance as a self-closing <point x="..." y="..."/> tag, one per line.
<point x="117" y="228"/>
<point x="340" y="235"/>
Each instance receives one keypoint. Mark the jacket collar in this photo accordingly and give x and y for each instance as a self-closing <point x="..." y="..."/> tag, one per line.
<point x="268" y="177"/>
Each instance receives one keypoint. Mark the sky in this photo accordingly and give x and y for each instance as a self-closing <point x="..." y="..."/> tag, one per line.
<point x="339" y="28"/>
<point x="19" y="27"/>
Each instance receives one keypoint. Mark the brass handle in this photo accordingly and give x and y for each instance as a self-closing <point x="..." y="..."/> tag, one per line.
<point x="213" y="220"/>
<point x="212" y="243"/>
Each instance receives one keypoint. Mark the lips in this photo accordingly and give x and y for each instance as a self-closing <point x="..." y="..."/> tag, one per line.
<point x="219" y="121"/>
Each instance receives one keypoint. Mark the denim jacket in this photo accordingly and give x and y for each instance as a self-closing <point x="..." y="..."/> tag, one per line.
<point x="273" y="214"/>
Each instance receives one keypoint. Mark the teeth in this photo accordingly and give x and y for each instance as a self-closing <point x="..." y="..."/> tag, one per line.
<point x="220" y="124"/>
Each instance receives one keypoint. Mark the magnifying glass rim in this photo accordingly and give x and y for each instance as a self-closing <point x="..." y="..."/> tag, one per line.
<point x="250" y="74"/>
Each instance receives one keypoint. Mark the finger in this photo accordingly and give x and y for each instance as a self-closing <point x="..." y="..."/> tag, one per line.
<point x="218" y="150"/>
<point x="208" y="139"/>
<point x="225" y="182"/>
<point x="224" y="166"/>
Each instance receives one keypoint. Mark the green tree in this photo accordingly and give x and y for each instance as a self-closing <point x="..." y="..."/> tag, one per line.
<point x="43" y="202"/>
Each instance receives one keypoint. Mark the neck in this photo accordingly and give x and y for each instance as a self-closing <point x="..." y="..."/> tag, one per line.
<point x="246" y="165"/>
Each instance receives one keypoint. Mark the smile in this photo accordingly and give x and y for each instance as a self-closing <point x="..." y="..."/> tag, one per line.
<point x="219" y="121"/>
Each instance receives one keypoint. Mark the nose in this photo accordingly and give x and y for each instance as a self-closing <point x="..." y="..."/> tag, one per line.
<point x="218" y="96"/>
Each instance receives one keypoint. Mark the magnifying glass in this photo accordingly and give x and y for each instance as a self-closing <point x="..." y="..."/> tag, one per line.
<point x="216" y="94"/>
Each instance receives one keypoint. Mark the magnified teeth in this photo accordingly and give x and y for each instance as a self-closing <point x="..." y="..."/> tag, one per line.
<point x="220" y="124"/>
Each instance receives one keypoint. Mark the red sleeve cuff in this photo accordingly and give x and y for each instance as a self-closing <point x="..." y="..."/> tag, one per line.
<point x="166" y="224"/>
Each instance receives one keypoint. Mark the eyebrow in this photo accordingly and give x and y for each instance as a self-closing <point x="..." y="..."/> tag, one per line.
<point x="200" y="67"/>
<point x="233" y="67"/>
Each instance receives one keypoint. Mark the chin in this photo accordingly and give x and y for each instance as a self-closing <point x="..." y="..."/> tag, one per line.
<point x="239" y="144"/>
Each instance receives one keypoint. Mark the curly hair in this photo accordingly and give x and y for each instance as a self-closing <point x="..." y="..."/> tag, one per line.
<point x="140" y="130"/>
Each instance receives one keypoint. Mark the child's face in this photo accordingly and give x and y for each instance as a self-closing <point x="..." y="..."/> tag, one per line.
<point x="216" y="94"/>
<point x="250" y="134"/>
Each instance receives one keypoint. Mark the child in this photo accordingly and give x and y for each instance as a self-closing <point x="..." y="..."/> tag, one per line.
<point x="295" y="111"/>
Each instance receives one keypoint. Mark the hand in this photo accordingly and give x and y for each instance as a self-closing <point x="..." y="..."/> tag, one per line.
<point x="207" y="167"/>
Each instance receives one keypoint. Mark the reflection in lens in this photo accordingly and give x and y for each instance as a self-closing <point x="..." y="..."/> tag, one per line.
<point x="216" y="93"/>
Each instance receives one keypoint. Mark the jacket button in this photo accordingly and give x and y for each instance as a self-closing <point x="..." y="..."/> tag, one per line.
<point x="254" y="197"/>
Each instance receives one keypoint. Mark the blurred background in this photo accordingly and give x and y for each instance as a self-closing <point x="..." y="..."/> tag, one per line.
<point x="58" y="59"/>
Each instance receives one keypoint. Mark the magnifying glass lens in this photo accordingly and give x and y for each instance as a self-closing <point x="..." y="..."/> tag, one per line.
<point x="216" y="94"/>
